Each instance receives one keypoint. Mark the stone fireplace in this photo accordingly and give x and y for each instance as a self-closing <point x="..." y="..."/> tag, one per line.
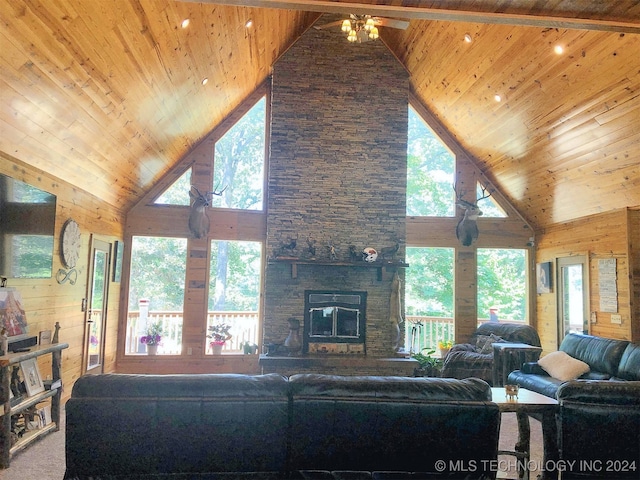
<point x="336" y="184"/>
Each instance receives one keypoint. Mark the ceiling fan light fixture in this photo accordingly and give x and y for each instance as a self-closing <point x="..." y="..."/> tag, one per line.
<point x="346" y="26"/>
<point x="373" y="33"/>
<point x="353" y="36"/>
<point x="369" y="25"/>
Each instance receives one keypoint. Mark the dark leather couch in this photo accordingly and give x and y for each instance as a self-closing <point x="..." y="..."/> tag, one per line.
<point x="608" y="359"/>
<point x="464" y="361"/>
<point x="122" y="426"/>
<point x="599" y="429"/>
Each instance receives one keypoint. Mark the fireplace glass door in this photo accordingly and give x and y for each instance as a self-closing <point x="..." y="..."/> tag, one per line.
<point x="334" y="322"/>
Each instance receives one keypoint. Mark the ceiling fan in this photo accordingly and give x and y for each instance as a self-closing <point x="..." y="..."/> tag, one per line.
<point x="362" y="28"/>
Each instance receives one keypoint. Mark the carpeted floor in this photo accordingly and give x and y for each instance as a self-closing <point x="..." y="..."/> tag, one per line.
<point x="44" y="460"/>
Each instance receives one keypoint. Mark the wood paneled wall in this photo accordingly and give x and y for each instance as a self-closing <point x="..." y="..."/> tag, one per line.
<point x="609" y="235"/>
<point x="45" y="300"/>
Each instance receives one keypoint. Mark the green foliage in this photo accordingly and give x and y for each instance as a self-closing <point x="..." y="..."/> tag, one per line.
<point x="426" y="360"/>
<point x="502" y="283"/>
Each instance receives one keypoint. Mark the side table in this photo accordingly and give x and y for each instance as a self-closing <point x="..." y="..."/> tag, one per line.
<point x="508" y="357"/>
<point x="526" y="404"/>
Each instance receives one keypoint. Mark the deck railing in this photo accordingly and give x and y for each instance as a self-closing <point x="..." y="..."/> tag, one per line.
<point x="422" y="332"/>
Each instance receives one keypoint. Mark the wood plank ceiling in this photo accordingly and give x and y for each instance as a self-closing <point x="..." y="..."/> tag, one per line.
<point x="108" y="94"/>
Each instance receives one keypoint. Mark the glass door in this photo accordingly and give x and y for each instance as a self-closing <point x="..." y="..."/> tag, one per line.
<point x="97" y="306"/>
<point x="573" y="285"/>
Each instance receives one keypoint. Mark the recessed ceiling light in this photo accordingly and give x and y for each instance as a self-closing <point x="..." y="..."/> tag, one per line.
<point x="205" y="80"/>
<point x="185" y="23"/>
<point x="558" y="49"/>
<point x="468" y="38"/>
<point x="249" y="23"/>
<point x="497" y="98"/>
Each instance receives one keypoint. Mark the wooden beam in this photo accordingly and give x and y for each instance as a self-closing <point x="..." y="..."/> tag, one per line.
<point x="442" y="14"/>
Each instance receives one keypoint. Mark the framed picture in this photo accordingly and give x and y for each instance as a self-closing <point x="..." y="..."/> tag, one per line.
<point x="45" y="337"/>
<point x="118" y="247"/>
<point x="31" y="374"/>
<point x="543" y="274"/>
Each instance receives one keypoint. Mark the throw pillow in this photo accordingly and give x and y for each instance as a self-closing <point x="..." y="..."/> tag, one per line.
<point x="562" y="366"/>
<point x="480" y="341"/>
<point x="488" y="346"/>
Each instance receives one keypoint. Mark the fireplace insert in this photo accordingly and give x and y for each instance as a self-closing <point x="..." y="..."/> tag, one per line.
<point x="334" y="322"/>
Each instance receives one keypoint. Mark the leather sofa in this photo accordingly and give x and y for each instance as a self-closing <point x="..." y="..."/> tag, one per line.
<point x="608" y="359"/>
<point x="598" y="434"/>
<point x="464" y="360"/>
<point x="124" y="426"/>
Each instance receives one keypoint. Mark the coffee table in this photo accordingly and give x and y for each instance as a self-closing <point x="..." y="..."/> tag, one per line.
<point x="541" y="407"/>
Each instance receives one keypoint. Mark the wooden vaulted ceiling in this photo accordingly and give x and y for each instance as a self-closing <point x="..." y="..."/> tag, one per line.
<point x="108" y="94"/>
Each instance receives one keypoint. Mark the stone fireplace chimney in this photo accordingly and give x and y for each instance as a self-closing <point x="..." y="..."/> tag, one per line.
<point x="337" y="177"/>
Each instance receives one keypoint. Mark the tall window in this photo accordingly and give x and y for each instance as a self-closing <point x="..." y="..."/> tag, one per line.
<point x="428" y="297"/>
<point x="156" y="292"/>
<point x="178" y="192"/>
<point x="430" y="172"/>
<point x="239" y="162"/>
<point x="502" y="284"/>
<point x="234" y="291"/>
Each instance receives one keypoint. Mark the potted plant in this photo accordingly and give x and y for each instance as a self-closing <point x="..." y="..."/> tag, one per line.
<point x="429" y="366"/>
<point x="444" y="346"/>
<point x="219" y="333"/>
<point x="152" y="338"/>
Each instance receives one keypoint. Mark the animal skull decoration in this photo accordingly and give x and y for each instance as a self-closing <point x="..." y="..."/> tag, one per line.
<point x="467" y="228"/>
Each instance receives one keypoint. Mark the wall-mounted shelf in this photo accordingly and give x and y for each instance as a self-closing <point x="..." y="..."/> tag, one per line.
<point x="6" y="363"/>
<point x="379" y="265"/>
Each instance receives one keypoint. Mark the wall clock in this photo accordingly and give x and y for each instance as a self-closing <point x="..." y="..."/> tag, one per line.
<point x="70" y="243"/>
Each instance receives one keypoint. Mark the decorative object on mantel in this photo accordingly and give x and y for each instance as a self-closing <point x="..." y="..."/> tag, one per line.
<point x="56" y="333"/>
<point x="219" y="334"/>
<point x="311" y="247"/>
<point x="389" y="252"/>
<point x="333" y="256"/>
<point x="369" y="254"/>
<point x="293" y="341"/>
<point x="153" y="338"/>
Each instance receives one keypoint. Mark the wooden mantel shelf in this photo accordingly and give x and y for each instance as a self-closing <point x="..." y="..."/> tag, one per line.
<point x="379" y="265"/>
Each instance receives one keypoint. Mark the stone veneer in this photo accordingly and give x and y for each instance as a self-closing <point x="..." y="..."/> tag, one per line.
<point x="337" y="174"/>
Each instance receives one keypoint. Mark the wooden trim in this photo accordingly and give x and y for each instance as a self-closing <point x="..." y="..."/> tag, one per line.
<point x="442" y="14"/>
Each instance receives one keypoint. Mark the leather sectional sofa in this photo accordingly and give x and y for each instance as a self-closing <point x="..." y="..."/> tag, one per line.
<point x="608" y="359"/>
<point x="123" y="426"/>
<point x="599" y="413"/>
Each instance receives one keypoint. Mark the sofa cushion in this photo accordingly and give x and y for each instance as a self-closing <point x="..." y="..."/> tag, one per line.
<point x="629" y="368"/>
<point x="510" y="332"/>
<point x="602" y="354"/>
<point x="562" y="366"/>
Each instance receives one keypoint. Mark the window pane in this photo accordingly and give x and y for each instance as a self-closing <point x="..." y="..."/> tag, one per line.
<point x="430" y="172"/>
<point x="488" y="206"/>
<point x="502" y="284"/>
<point x="234" y="291"/>
<point x="178" y="192"/>
<point x="428" y="297"/>
<point x="239" y="162"/>
<point x="156" y="291"/>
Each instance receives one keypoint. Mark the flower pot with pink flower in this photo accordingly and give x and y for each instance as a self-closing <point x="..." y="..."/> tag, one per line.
<point x="153" y="338"/>
<point x="219" y="333"/>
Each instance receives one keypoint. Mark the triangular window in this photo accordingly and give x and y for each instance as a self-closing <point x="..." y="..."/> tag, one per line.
<point x="489" y="206"/>
<point x="178" y="192"/>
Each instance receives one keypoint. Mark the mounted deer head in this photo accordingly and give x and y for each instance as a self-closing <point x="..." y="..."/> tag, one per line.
<point x="199" y="222"/>
<point x="467" y="228"/>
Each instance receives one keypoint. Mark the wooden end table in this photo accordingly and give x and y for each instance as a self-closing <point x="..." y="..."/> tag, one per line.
<point x="527" y="404"/>
<point x="508" y="357"/>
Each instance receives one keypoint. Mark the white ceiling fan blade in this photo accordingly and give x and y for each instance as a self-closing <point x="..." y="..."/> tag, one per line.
<point x="391" y="22"/>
